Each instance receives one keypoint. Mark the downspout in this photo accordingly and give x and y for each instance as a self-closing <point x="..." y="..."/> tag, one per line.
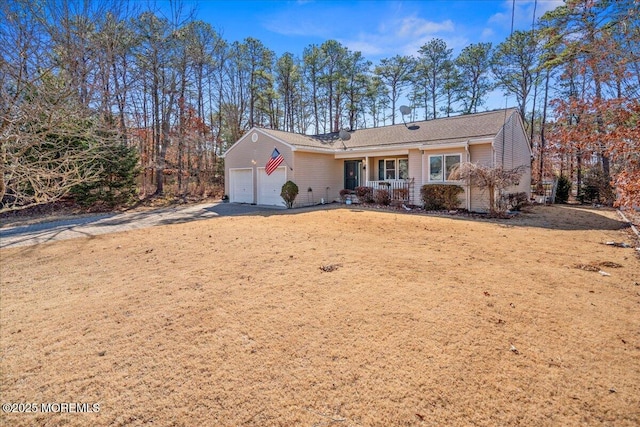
<point x="466" y="149"/>
<point x="254" y="178"/>
<point x="504" y="136"/>
<point x="422" y="177"/>
<point x="495" y="161"/>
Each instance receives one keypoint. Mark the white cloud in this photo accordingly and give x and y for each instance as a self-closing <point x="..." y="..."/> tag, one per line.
<point x="367" y="48"/>
<point x="392" y="30"/>
<point x="487" y="33"/>
<point x="546" y="6"/>
<point x="415" y="27"/>
<point x="399" y="28"/>
<point x="498" y="18"/>
<point x="522" y="13"/>
<point x="400" y="36"/>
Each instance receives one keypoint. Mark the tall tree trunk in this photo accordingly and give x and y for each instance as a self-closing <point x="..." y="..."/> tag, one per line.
<point x="182" y="130"/>
<point x="543" y="124"/>
<point x="121" y="96"/>
<point x="533" y="110"/>
<point x="579" y="173"/>
<point x="157" y="136"/>
<point x="600" y="125"/>
<point x="434" y="94"/>
<point x="316" y="113"/>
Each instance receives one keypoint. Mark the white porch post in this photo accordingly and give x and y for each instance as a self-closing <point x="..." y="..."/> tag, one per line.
<point x="366" y="171"/>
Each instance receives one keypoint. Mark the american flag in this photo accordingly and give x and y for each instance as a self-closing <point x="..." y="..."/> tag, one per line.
<point x="274" y="161"/>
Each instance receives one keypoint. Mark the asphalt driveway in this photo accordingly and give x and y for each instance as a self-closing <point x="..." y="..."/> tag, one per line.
<point x="93" y="225"/>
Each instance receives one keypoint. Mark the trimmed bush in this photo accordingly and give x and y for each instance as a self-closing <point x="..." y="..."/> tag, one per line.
<point x="365" y="194"/>
<point x="344" y="193"/>
<point x="436" y="197"/>
<point x="289" y="193"/>
<point x="563" y="189"/>
<point x="382" y="197"/>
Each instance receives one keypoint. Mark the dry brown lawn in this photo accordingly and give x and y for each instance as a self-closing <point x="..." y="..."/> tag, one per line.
<point x="330" y="317"/>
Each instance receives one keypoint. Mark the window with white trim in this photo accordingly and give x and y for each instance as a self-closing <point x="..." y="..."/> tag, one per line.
<point x="393" y="169"/>
<point x="390" y="169"/>
<point x="441" y="166"/>
<point x="403" y="168"/>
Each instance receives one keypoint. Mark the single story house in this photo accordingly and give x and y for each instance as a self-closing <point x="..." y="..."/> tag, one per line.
<point x="403" y="156"/>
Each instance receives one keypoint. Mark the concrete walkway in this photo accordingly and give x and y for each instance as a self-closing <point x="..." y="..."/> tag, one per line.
<point x="93" y="225"/>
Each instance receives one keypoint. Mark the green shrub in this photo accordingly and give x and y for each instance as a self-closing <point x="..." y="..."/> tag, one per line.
<point x="563" y="189"/>
<point x="590" y="193"/>
<point x="116" y="183"/>
<point x="596" y="188"/>
<point x="437" y="197"/>
<point x="365" y="194"/>
<point x="289" y="193"/>
<point x="382" y="197"/>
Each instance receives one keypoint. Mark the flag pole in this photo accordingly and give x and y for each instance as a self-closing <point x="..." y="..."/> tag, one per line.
<point x="283" y="159"/>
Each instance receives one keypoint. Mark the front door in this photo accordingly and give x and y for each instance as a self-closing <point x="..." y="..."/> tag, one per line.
<point x="352" y="170"/>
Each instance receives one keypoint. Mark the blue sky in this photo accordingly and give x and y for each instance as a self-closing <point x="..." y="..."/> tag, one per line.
<point x="378" y="29"/>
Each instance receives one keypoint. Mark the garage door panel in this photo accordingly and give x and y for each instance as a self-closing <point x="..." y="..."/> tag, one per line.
<point x="270" y="186"/>
<point x="241" y="186"/>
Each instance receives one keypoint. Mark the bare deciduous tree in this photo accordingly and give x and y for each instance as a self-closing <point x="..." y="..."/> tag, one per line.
<point x="494" y="180"/>
<point x="49" y="146"/>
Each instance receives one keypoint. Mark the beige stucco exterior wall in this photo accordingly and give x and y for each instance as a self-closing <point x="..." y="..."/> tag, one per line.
<point x="320" y="172"/>
<point x="481" y="154"/>
<point x="415" y="173"/>
<point x="516" y="152"/>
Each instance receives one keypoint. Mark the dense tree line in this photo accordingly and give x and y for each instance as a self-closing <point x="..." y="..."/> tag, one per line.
<point x="84" y="82"/>
<point x="592" y="48"/>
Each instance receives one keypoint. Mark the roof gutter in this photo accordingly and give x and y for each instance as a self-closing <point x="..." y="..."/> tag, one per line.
<point x="484" y="140"/>
<point x="462" y="144"/>
<point x="378" y="152"/>
<point x="303" y="149"/>
<point x="444" y="146"/>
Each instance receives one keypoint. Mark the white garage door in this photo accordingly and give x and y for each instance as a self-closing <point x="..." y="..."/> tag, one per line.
<point x="270" y="186"/>
<point x="241" y="185"/>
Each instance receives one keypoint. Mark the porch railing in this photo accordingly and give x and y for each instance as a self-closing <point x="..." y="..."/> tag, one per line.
<point x="398" y="189"/>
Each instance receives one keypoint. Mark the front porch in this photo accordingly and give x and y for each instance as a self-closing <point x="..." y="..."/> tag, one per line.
<point x="398" y="189"/>
<point x="390" y="174"/>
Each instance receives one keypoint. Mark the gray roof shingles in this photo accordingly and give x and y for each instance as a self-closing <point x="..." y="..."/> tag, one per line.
<point x="430" y="132"/>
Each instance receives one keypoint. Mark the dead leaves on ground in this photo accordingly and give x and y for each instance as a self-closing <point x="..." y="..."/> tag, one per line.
<point x="330" y="267"/>
<point x="610" y="264"/>
<point x="597" y="266"/>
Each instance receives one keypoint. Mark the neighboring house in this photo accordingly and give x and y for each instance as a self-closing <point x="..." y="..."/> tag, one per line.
<point x="390" y="157"/>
